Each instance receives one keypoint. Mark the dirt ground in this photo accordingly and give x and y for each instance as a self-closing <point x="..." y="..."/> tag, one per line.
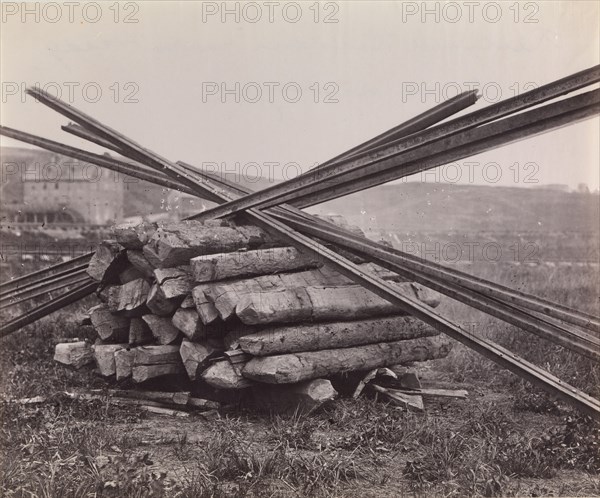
<point x="479" y="446"/>
<point x="174" y="445"/>
<point x="506" y="439"/>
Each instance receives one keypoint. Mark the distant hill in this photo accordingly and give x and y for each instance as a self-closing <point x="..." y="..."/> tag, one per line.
<point x="434" y="207"/>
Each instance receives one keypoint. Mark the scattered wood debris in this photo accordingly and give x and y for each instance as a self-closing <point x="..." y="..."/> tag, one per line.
<point x="404" y="390"/>
<point x="176" y="404"/>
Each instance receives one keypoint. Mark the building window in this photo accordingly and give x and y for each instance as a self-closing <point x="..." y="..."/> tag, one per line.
<point x="45" y="186"/>
<point x="56" y="186"/>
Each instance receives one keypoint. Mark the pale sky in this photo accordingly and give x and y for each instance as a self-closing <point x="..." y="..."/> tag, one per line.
<point x="379" y="64"/>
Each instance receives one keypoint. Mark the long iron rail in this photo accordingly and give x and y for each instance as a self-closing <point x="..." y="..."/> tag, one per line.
<point x="46" y="309"/>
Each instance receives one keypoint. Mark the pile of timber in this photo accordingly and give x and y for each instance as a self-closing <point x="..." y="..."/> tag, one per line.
<point x="228" y="306"/>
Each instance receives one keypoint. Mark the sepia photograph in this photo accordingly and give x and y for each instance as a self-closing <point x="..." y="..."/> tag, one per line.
<point x="300" y="248"/>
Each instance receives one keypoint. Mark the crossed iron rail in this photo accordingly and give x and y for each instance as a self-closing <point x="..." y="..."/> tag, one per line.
<point x="416" y="145"/>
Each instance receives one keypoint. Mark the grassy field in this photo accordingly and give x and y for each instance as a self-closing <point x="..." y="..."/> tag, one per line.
<point x="507" y="439"/>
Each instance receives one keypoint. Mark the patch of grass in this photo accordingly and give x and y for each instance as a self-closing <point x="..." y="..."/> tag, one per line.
<point x="295" y="430"/>
<point x="321" y="473"/>
<point x="577" y="287"/>
<point x="182" y="449"/>
<point x="488" y="451"/>
<point x="228" y="457"/>
<point x="373" y="427"/>
<point x="47" y="450"/>
<point x="473" y="465"/>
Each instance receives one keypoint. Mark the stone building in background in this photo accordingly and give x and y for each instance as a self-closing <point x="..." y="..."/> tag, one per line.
<point x="45" y="188"/>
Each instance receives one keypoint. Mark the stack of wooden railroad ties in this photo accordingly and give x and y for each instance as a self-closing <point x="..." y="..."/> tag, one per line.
<point x="173" y="304"/>
<point x="257" y="295"/>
